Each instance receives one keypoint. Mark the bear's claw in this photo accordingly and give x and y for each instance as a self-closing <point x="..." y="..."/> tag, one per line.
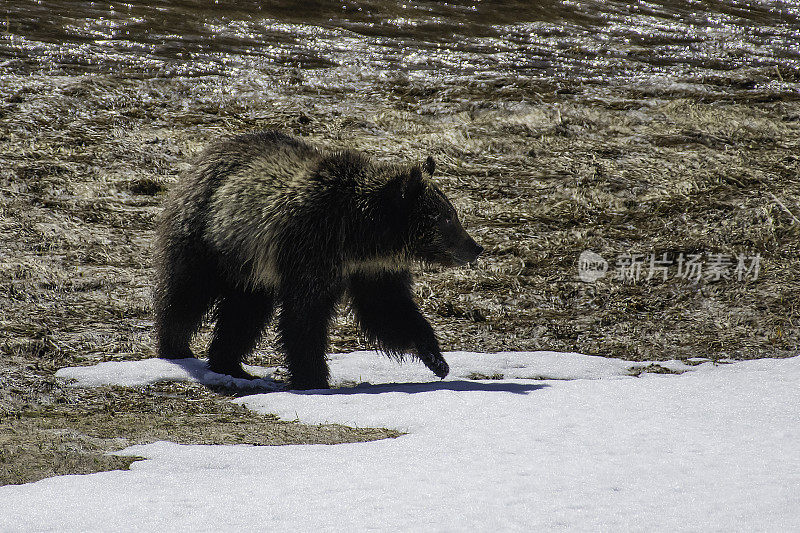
<point x="438" y="366"/>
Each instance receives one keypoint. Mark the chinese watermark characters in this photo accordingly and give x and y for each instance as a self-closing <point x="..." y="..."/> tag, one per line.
<point x="692" y="267"/>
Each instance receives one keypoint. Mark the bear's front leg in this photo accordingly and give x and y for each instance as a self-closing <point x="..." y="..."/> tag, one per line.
<point x="385" y="308"/>
<point x="431" y="356"/>
<point x="303" y="329"/>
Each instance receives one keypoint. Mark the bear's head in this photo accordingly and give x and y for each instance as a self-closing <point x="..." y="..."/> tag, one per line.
<point x="435" y="233"/>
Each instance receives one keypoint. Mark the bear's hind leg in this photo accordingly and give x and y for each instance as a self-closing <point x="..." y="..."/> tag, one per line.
<point x="183" y="296"/>
<point x="303" y="328"/>
<point x="241" y="319"/>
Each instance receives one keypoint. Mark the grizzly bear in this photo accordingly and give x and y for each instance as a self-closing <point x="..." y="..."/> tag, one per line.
<point x="265" y="220"/>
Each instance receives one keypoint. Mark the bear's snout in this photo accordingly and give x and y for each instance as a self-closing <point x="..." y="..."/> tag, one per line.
<point x="474" y="250"/>
<point x="468" y="251"/>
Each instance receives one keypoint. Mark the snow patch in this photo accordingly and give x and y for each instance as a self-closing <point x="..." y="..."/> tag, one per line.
<point x="146" y="371"/>
<point x="371" y="367"/>
<point x="712" y="449"/>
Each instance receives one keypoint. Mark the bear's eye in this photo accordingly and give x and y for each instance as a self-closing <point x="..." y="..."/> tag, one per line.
<point x="447" y="220"/>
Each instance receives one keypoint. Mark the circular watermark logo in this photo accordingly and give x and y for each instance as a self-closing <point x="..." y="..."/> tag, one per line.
<point x="591" y="266"/>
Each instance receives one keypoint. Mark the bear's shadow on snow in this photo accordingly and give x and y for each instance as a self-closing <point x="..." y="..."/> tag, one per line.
<point x="415" y="388"/>
<point x="199" y="372"/>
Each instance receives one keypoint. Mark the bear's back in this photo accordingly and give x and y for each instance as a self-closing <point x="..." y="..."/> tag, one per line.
<point x="261" y="180"/>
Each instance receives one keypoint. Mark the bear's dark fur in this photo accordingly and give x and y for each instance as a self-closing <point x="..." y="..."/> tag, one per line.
<point x="265" y="219"/>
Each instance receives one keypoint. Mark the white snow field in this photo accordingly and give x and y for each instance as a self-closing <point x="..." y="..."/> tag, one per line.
<point x="563" y="442"/>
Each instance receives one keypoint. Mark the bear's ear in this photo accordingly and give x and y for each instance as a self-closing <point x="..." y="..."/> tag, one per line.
<point x="406" y="187"/>
<point x="413" y="184"/>
<point x="429" y="166"/>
